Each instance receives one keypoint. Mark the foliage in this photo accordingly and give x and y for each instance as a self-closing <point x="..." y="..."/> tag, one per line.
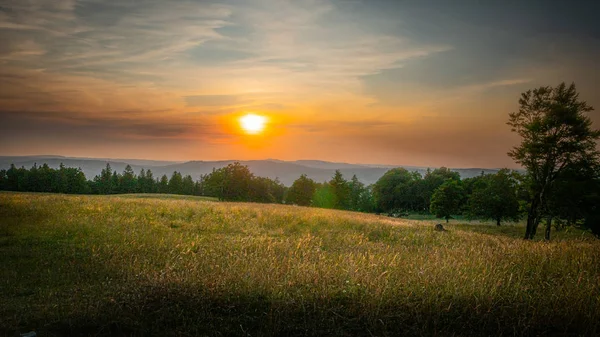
<point x="494" y="196"/>
<point x="556" y="136"/>
<point x="301" y="192"/>
<point x="44" y="179"/>
<point x="128" y="181"/>
<point x="340" y="190"/>
<point x="404" y="191"/>
<point x="360" y="197"/>
<point x="447" y="199"/>
<point x="324" y="196"/>
<point x="235" y="182"/>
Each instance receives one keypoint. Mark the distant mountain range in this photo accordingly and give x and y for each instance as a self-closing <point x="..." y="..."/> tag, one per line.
<point x="286" y="171"/>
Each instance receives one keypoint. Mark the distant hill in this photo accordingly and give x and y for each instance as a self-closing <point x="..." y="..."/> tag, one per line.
<point x="286" y="171"/>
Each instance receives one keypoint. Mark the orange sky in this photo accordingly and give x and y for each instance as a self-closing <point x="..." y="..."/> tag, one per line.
<point x="360" y="82"/>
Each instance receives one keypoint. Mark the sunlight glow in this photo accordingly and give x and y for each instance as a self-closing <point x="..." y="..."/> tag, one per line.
<point x="253" y="124"/>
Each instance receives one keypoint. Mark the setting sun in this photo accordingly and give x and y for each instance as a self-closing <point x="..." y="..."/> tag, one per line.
<point x="253" y="124"/>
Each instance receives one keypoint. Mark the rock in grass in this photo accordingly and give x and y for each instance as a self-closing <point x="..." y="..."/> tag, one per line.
<point x="440" y="228"/>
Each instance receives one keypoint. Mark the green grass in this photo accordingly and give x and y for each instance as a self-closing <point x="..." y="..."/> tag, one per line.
<point x="93" y="265"/>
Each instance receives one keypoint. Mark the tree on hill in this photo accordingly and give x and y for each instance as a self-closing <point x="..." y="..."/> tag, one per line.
<point x="162" y="185"/>
<point x="494" y="196"/>
<point x="398" y="189"/>
<point x="301" y="192"/>
<point x="432" y="180"/>
<point x="176" y="183"/>
<point x="231" y="183"/>
<point x="149" y="182"/>
<point x="447" y="199"/>
<point x="146" y="183"/>
<point x="324" y="196"/>
<point x="236" y="182"/>
<point x="115" y="182"/>
<point x="105" y="182"/>
<point x="340" y="189"/>
<point x="266" y="190"/>
<point x="361" y="198"/>
<point x="128" y="181"/>
<point x="187" y="185"/>
<point x="556" y="136"/>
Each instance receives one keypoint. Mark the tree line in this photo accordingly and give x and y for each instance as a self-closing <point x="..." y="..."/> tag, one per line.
<point x="231" y="183"/>
<point x="502" y="196"/>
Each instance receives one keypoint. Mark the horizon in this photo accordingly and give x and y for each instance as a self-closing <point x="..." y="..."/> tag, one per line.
<point x="293" y="161"/>
<point x="407" y="84"/>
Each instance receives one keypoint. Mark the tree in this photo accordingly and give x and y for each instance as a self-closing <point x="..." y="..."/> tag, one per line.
<point x="433" y="180"/>
<point x="494" y="196"/>
<point x="447" y="199"/>
<point x="356" y="189"/>
<point x="142" y="182"/>
<point x="301" y="192"/>
<point x="575" y="196"/>
<point x="236" y="182"/>
<point x="104" y="181"/>
<point x="324" y="196"/>
<point x="115" y="182"/>
<point x="149" y="183"/>
<point x="556" y="136"/>
<point x="187" y="185"/>
<point x="176" y="183"/>
<point x="398" y="189"/>
<point x="163" y="184"/>
<point x="3" y="180"/>
<point x="340" y="189"/>
<point x="128" y="181"/>
<point x="231" y="183"/>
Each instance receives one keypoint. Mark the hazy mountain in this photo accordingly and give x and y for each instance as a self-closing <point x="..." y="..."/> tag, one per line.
<point x="285" y="171"/>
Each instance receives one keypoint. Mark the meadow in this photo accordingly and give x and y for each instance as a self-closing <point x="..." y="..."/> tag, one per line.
<point x="169" y="266"/>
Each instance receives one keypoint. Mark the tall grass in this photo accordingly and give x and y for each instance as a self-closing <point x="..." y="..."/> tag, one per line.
<point x="108" y="265"/>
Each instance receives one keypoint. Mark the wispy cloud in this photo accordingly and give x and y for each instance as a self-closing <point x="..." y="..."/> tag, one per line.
<point x="178" y="69"/>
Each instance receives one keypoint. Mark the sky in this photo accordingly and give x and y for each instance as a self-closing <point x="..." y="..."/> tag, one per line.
<point x="424" y="83"/>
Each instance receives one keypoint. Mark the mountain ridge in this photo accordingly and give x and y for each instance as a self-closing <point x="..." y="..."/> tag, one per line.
<point x="285" y="171"/>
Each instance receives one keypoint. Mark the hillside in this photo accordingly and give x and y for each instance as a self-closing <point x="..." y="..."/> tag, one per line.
<point x="113" y="265"/>
<point x="286" y="171"/>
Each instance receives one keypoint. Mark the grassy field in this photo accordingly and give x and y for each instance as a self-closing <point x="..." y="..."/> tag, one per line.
<point x="112" y="265"/>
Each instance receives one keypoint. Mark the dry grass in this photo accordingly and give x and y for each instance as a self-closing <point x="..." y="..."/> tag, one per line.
<point x="108" y="265"/>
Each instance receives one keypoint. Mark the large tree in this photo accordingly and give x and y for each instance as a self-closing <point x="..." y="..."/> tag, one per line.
<point x="341" y="190"/>
<point x="302" y="191"/>
<point x="556" y="136"/>
<point x="494" y="196"/>
<point x="393" y="191"/>
<point x="128" y="180"/>
<point x="447" y="199"/>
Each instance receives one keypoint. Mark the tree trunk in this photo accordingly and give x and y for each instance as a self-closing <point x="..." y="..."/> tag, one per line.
<point x="548" y="228"/>
<point x="532" y="220"/>
<point x="447" y="219"/>
<point x="498" y="222"/>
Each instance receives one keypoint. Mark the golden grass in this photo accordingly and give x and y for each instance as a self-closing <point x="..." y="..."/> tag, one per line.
<point x="147" y="266"/>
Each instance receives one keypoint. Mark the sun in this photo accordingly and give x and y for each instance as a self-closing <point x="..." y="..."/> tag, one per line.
<point x="253" y="124"/>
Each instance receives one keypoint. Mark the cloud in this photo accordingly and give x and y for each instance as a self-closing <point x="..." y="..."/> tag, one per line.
<point x="264" y="46"/>
<point x="127" y="127"/>
<point x="213" y="100"/>
<point x="149" y="69"/>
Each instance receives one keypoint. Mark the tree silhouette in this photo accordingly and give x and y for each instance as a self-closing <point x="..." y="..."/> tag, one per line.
<point x="556" y="136"/>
